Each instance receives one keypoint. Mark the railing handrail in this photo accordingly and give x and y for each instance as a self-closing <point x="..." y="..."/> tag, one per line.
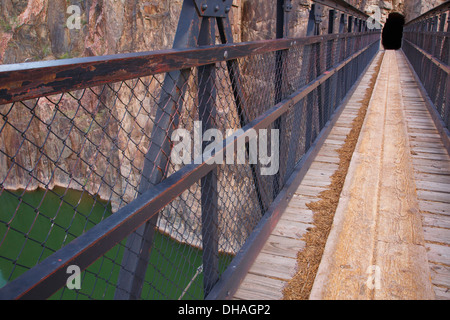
<point x="343" y="6"/>
<point x="30" y="80"/>
<point x="436" y="61"/>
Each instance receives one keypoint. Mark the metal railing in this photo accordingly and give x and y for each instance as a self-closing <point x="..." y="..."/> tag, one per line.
<point x="87" y="175"/>
<point x="426" y="43"/>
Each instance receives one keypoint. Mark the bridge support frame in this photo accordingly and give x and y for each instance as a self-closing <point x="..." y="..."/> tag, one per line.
<point x="196" y="27"/>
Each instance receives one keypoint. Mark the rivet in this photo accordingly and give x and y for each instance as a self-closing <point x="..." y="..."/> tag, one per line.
<point x="225" y="54"/>
<point x="204" y="6"/>
<point x="216" y="8"/>
<point x="227" y="9"/>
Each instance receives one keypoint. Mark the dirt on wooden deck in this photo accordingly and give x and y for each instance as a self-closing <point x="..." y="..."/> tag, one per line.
<point x="308" y="260"/>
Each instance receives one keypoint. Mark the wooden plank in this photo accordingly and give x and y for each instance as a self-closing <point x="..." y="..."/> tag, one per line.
<point x="440" y="235"/>
<point x="436" y="164"/>
<point x="424" y="176"/>
<point x="356" y="206"/>
<point x="291" y="229"/>
<point x="434" y="207"/>
<point x="274" y="266"/>
<point x="422" y="130"/>
<point x="283" y="246"/>
<point x="313" y="181"/>
<point x="309" y="190"/>
<point x="400" y="236"/>
<point x="434" y="196"/>
<point x="377" y="217"/>
<point x="346" y="122"/>
<point x="434" y="186"/>
<point x="430" y="139"/>
<point x="442" y="293"/>
<point x="431" y="156"/>
<point x="256" y="287"/>
<point x="300" y="202"/>
<point x="429" y="169"/>
<point x="440" y="274"/>
<point x="337" y="138"/>
<point x="438" y="253"/>
<point x="327" y="159"/>
<point x="436" y="136"/>
<point x="399" y="259"/>
<point x="419" y="148"/>
<point x="423" y="121"/>
<point x="299" y="214"/>
<point x="320" y="166"/>
<point x="324" y="173"/>
<point x="339" y="131"/>
<point x="436" y="220"/>
<point x="329" y="151"/>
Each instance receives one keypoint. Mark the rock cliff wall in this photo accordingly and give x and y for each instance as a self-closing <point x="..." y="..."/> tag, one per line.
<point x="33" y="30"/>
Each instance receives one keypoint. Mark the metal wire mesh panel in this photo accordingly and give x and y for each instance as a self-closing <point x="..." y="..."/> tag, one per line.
<point x="75" y="160"/>
<point x="426" y="45"/>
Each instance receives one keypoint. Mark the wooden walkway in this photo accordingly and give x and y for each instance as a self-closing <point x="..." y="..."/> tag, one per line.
<point x="390" y="237"/>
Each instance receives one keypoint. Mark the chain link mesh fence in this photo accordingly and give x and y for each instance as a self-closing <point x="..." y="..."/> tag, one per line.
<point x="427" y="46"/>
<point x="71" y="160"/>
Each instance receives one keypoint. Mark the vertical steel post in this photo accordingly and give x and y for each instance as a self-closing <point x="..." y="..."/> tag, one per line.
<point x="313" y="28"/>
<point x="301" y="107"/>
<point x="440" y="54"/>
<point x="209" y="206"/>
<point x="442" y="47"/>
<point x="350" y="42"/>
<point x="433" y="78"/>
<point x="137" y="250"/>
<point x="330" y="86"/>
<point x="226" y="36"/>
<point x="195" y="27"/>
<point x="434" y="29"/>
<point x="283" y="8"/>
<point x="341" y="55"/>
<point x="320" y="64"/>
<point x="446" y="59"/>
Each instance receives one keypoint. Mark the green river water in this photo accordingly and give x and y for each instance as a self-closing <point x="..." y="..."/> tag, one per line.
<point x="173" y="264"/>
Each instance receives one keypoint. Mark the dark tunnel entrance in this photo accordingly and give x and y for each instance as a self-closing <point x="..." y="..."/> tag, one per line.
<point x="393" y="31"/>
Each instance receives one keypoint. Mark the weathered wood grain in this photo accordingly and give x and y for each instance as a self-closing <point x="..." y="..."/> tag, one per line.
<point x="431" y="163"/>
<point x="377" y="223"/>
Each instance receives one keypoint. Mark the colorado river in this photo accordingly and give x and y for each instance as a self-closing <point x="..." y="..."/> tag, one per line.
<point x="30" y="235"/>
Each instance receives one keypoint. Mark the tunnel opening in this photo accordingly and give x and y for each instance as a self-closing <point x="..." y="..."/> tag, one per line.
<point x="393" y="31"/>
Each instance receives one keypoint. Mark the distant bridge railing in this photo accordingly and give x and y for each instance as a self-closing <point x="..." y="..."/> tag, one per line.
<point x="88" y="177"/>
<point x="426" y="43"/>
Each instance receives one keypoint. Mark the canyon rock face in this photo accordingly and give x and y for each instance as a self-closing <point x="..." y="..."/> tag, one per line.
<point x="33" y="30"/>
<point x="409" y="8"/>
